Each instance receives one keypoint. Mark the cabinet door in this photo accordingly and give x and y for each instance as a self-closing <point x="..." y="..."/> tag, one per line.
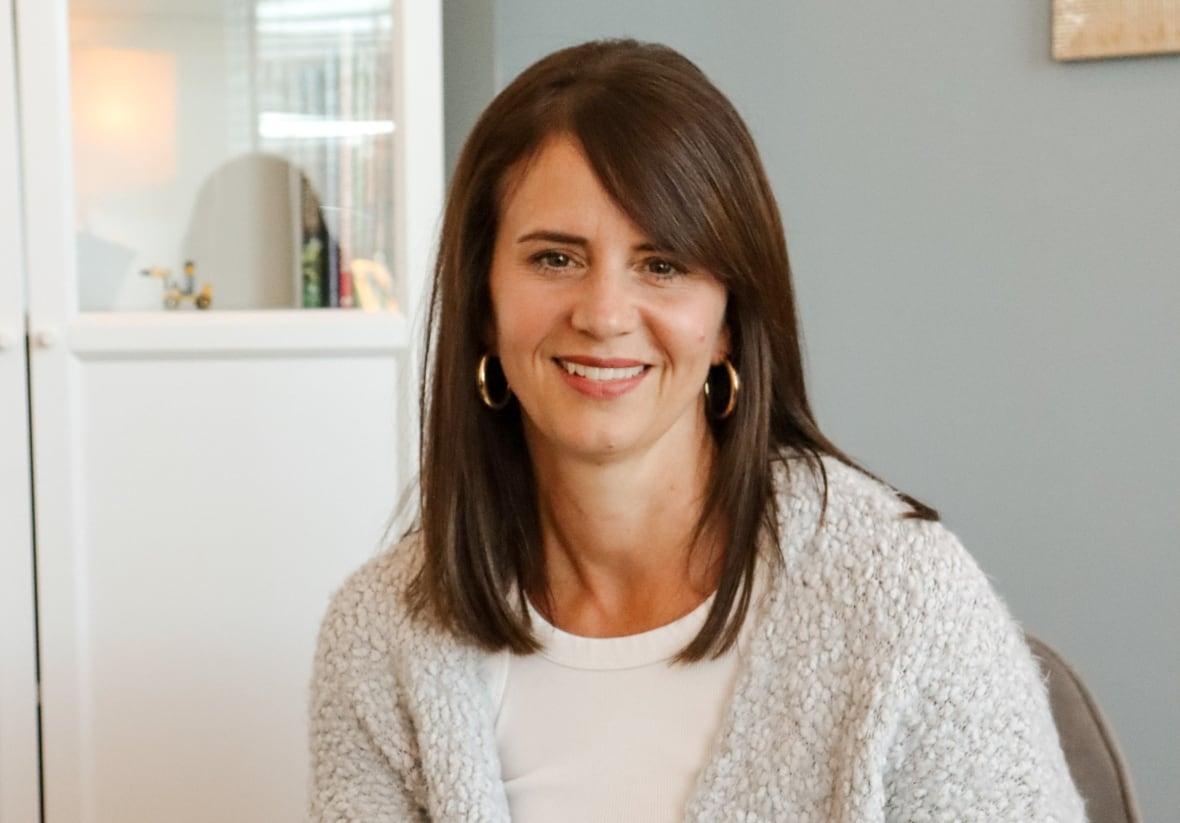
<point x="204" y="478"/>
<point x="18" y="685"/>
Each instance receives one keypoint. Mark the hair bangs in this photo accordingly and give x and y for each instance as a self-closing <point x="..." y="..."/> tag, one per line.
<point x="651" y="162"/>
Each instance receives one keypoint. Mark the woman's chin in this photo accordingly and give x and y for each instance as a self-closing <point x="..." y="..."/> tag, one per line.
<point x="585" y="447"/>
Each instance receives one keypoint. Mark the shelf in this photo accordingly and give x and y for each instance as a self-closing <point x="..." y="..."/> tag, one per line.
<point x="101" y="335"/>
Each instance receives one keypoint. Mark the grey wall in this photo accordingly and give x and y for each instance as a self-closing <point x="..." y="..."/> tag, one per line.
<point x="469" y="68"/>
<point x="987" y="251"/>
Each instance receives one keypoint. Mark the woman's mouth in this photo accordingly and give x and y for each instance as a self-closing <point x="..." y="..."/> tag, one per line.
<point x="601" y="373"/>
<point x="601" y="379"/>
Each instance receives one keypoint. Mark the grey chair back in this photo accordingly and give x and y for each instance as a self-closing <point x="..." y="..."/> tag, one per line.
<point x="1097" y="767"/>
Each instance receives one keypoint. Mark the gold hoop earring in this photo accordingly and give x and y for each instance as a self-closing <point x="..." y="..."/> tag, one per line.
<point x="481" y="383"/>
<point x="735" y="385"/>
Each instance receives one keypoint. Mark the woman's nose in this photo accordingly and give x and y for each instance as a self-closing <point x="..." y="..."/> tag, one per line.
<point x="605" y="305"/>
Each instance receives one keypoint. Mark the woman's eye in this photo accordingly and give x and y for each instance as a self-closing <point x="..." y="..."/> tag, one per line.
<point x="552" y="259"/>
<point x="664" y="268"/>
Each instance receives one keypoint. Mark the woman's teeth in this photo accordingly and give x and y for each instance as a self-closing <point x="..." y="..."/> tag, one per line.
<point x="596" y="373"/>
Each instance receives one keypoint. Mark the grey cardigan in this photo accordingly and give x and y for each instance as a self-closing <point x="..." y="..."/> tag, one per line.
<point x="884" y="681"/>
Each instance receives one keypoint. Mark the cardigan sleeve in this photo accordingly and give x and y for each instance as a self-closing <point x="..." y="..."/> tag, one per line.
<point x="361" y="756"/>
<point x="976" y="740"/>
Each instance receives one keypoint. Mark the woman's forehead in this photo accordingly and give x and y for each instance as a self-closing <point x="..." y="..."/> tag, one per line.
<point x="512" y="176"/>
<point x="557" y="187"/>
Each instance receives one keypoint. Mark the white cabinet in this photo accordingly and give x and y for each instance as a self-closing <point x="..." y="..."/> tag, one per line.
<point x="18" y="686"/>
<point x="189" y="485"/>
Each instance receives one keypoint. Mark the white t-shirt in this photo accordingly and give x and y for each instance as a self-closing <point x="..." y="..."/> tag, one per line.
<point x="607" y="729"/>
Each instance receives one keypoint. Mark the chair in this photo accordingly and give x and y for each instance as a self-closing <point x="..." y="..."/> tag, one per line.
<point x="1090" y="749"/>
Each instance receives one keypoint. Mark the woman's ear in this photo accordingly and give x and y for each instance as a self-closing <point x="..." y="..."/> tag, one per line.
<point x="724" y="346"/>
<point x="487" y="337"/>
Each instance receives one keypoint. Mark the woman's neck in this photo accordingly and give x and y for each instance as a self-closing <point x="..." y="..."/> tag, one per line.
<point x="621" y="550"/>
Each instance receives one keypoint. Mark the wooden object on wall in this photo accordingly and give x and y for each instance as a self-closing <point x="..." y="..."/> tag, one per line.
<point x="1087" y="29"/>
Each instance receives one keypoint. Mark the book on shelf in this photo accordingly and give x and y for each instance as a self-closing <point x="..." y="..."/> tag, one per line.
<point x="311" y="268"/>
<point x="372" y="285"/>
<point x="359" y="283"/>
<point x="332" y="275"/>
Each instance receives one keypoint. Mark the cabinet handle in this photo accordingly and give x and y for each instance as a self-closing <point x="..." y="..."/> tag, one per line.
<point x="45" y="339"/>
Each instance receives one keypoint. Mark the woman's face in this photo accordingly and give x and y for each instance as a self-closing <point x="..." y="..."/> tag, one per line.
<point x="605" y="340"/>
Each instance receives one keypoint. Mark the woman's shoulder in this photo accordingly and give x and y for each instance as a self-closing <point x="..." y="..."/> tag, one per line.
<point x="823" y="492"/>
<point x="381" y="582"/>
<point x="828" y="484"/>
<point x="834" y="514"/>
<point x="866" y="563"/>
<point x="369" y="613"/>
<point x="874" y="596"/>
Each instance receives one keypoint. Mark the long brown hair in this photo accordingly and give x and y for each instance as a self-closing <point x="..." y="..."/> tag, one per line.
<point x="676" y="157"/>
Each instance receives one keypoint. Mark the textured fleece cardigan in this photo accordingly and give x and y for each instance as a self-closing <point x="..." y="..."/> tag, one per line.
<point x="884" y="681"/>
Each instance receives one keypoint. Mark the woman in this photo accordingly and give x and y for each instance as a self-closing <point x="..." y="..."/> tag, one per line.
<point x="644" y="586"/>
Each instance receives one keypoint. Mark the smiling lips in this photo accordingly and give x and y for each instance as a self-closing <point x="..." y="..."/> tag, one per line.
<point x="601" y="378"/>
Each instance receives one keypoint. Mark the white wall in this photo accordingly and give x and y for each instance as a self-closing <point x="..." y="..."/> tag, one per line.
<point x="986" y="247"/>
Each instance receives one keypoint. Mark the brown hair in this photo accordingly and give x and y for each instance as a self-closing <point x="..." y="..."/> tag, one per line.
<point x="676" y="157"/>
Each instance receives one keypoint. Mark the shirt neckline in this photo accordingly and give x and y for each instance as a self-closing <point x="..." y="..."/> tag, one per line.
<point x="611" y="653"/>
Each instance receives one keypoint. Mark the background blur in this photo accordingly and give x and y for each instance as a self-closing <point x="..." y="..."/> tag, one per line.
<point x="986" y="247"/>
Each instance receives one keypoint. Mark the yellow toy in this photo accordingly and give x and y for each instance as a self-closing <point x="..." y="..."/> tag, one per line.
<point x="175" y="293"/>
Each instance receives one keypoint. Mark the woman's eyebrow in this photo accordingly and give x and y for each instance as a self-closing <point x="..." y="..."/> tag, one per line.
<point x="576" y="240"/>
<point x="554" y="237"/>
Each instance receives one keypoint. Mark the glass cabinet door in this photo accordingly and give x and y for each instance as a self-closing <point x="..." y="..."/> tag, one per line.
<point x="234" y="154"/>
